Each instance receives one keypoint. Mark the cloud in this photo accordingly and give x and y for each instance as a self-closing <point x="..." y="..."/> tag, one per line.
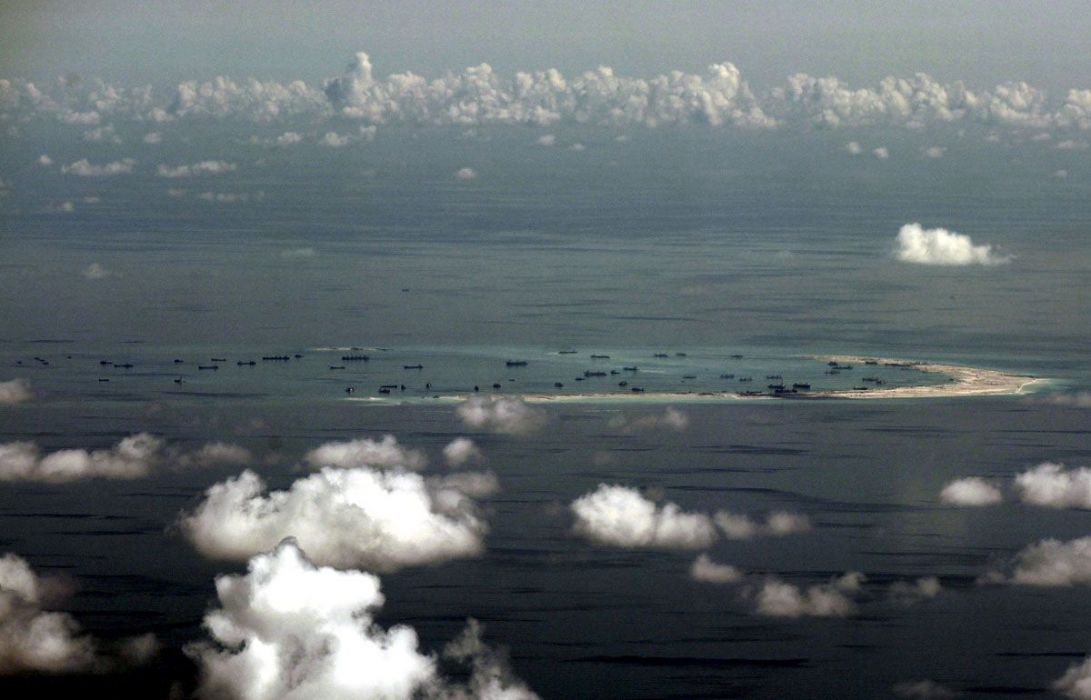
<point x="708" y="571"/>
<point x="288" y="138"/>
<point x="215" y="454"/>
<point x="670" y="419"/>
<point x="133" y="457"/>
<point x="546" y="140"/>
<point x="934" y="152"/>
<point x="466" y="174"/>
<point x="153" y="137"/>
<point x="334" y="140"/>
<point x="344" y="517"/>
<point x="491" y="677"/>
<point x="1079" y="399"/>
<point x="1076" y="681"/>
<point x="101" y="134"/>
<point x="31" y="639"/>
<point x="717" y="97"/>
<point x="81" y="118"/>
<point x="366" y="452"/>
<point x="45" y="161"/>
<point x="921" y="589"/>
<point x="34" y="640"/>
<point x="224" y="197"/>
<point x="622" y="517"/>
<point x="1073" y="145"/>
<point x="288" y="628"/>
<point x="85" y="168"/>
<point x="970" y="491"/>
<point x="15" y="391"/>
<point x="204" y="167"/>
<point x="938" y="246"/>
<point x="853" y="148"/>
<point x="777" y="524"/>
<point x="508" y="416"/>
<point x="1050" y="562"/>
<point x="1060" y="173"/>
<point x="923" y="690"/>
<point x="460" y="451"/>
<point x="1053" y="486"/>
<point x="775" y="598"/>
<point x="882" y="153"/>
<point x="95" y="271"/>
<point x="298" y="253"/>
<point x="472" y="484"/>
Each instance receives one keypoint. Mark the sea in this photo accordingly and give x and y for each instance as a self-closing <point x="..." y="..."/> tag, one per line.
<point x="687" y="254"/>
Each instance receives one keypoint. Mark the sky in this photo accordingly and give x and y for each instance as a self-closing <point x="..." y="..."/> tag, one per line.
<point x="983" y="43"/>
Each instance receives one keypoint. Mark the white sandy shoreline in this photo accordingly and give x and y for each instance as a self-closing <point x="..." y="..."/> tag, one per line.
<point x="963" y="381"/>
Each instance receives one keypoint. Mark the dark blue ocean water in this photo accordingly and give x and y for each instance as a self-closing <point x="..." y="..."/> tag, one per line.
<point x="772" y="246"/>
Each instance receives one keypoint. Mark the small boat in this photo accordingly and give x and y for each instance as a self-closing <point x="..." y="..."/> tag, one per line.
<point x="212" y="367"/>
<point x="418" y="366"/>
<point x="631" y="368"/>
<point x="275" y="358"/>
<point x="566" y="352"/>
<point x="516" y="363"/>
<point x="661" y="354"/>
<point x="355" y="358"/>
<point x="337" y="366"/>
<point x="589" y="373"/>
<point x="496" y="385"/>
<point x="801" y="385"/>
<point x="107" y="363"/>
<point x="600" y="357"/>
<point x="217" y="359"/>
<point x="249" y="363"/>
<point x="384" y="391"/>
<point x="558" y="385"/>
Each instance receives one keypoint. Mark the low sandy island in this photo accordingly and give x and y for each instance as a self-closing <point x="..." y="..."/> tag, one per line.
<point x="962" y="381"/>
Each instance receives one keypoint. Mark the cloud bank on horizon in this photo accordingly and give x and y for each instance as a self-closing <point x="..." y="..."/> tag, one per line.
<point x="478" y="95"/>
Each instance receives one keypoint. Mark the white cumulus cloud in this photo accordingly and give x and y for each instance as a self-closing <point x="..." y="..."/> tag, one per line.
<point x="1053" y="486"/>
<point x="33" y="639"/>
<point x="204" y="167"/>
<point x="737" y="526"/>
<point x="466" y="174"/>
<point x="290" y="629"/>
<point x="344" y="517"/>
<point x="85" y="168"/>
<point x="776" y="598"/>
<point x="670" y="419"/>
<point x="95" y="271"/>
<point x="1049" y="562"/>
<point x="134" y="457"/>
<point x="708" y="571"/>
<point x="622" y="517"/>
<point x="970" y="491"/>
<point x="1076" y="681"/>
<point x="366" y="452"/>
<point x="938" y="246"/>
<point x="15" y="391"/>
<point x="460" y="451"/>
<point x="509" y="416"/>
